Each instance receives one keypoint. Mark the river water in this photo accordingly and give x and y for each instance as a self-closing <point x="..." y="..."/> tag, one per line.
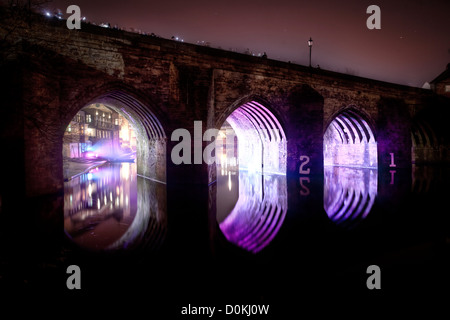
<point x="316" y="232"/>
<point x="258" y="238"/>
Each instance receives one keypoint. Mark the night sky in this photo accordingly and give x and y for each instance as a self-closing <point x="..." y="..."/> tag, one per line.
<point x="412" y="47"/>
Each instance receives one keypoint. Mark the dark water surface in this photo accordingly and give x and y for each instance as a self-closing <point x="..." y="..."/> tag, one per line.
<point x="258" y="239"/>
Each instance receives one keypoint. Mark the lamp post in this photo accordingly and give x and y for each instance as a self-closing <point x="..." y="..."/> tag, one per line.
<point x="310" y="43"/>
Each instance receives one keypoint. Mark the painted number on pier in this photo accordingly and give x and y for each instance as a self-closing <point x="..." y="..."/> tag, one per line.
<point x="305" y="161"/>
<point x="304" y="189"/>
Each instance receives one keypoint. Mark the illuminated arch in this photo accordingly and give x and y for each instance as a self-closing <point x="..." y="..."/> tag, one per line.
<point x="349" y="140"/>
<point x="149" y="223"/>
<point x="350" y="167"/>
<point x="261" y="206"/>
<point x="152" y="140"/>
<point x="262" y="141"/>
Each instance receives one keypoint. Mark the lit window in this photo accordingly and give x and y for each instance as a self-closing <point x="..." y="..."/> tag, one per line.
<point x="88" y="118"/>
<point x="116" y="122"/>
<point x="447" y="88"/>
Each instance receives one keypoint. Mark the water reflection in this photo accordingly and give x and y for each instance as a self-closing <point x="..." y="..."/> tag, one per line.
<point x="426" y="178"/>
<point x="254" y="219"/>
<point x="349" y="194"/>
<point x="111" y="208"/>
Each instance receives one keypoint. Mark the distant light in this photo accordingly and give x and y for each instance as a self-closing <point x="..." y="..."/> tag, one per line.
<point x="48" y="14"/>
<point x="84" y="18"/>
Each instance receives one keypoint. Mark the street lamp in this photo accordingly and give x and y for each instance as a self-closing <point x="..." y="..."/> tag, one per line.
<point x="310" y="43"/>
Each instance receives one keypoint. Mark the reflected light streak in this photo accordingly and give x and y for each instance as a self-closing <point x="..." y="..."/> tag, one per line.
<point x="350" y="159"/>
<point x="259" y="212"/>
<point x="261" y="206"/>
<point x="349" y="194"/>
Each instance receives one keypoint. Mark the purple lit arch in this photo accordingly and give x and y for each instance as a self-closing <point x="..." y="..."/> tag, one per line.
<point x="349" y="141"/>
<point x="259" y="212"/>
<point x="350" y="168"/>
<point x="151" y="138"/>
<point x="261" y="139"/>
<point x="261" y="205"/>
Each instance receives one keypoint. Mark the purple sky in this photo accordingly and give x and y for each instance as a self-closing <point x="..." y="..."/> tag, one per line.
<point x="413" y="45"/>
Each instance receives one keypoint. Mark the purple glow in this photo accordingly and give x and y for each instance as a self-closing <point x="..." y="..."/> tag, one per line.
<point x="100" y="207"/>
<point x="91" y="155"/>
<point x="350" y="159"/>
<point x="262" y="202"/>
<point x="261" y="139"/>
<point x="349" y="141"/>
<point x="106" y="149"/>
<point x="259" y="212"/>
<point x="349" y="194"/>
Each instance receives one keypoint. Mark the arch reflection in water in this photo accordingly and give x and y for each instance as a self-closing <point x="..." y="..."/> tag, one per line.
<point x="111" y="208"/>
<point x="259" y="211"/>
<point x="349" y="194"/>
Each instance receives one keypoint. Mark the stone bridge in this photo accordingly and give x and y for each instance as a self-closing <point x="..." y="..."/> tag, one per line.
<point x="163" y="85"/>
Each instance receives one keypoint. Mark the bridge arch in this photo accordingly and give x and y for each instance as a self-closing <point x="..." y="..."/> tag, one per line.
<point x="350" y="167"/>
<point x="261" y="132"/>
<point x="350" y="139"/>
<point x="257" y="171"/>
<point x="143" y="117"/>
<point x="114" y="192"/>
<point x="425" y="144"/>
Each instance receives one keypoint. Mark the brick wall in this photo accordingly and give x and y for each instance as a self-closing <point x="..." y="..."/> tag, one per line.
<point x="63" y="70"/>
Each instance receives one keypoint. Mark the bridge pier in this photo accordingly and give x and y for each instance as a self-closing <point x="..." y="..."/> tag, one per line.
<point x="394" y="146"/>
<point x="304" y="131"/>
<point x="187" y="184"/>
<point x="394" y="135"/>
<point x="187" y="206"/>
<point x="57" y="73"/>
